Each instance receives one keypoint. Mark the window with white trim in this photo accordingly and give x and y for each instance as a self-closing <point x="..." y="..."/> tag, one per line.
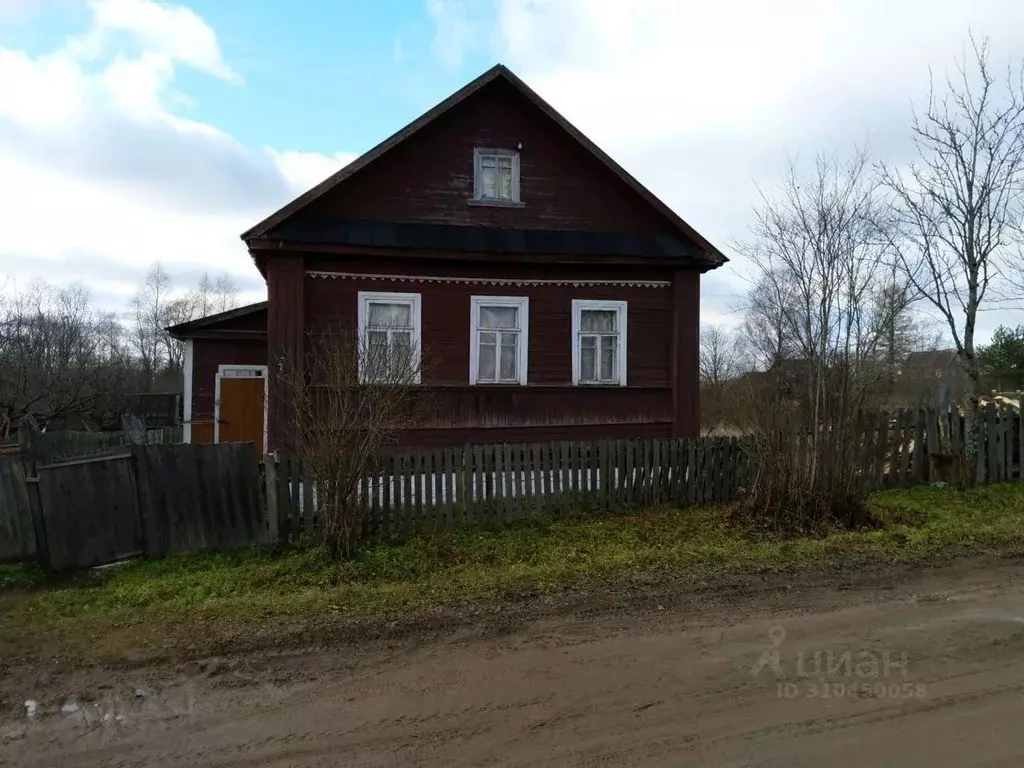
<point x="499" y="339"/>
<point x="496" y="176"/>
<point x="389" y="332"/>
<point x="598" y="342"/>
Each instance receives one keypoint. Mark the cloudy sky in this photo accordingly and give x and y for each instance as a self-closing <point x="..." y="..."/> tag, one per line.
<point x="133" y="131"/>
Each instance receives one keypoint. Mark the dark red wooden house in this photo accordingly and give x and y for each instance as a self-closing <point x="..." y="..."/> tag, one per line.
<point x="557" y="296"/>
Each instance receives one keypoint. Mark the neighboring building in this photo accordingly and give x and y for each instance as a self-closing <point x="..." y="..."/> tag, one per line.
<point x="226" y="376"/>
<point x="558" y="296"/>
<point x="935" y="377"/>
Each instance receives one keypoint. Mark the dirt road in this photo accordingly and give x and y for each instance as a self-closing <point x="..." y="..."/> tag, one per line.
<point x="935" y="677"/>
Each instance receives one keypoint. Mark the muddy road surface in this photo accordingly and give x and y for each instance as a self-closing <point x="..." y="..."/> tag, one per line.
<point x="925" y="670"/>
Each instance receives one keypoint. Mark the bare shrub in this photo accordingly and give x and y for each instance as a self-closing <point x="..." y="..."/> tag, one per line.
<point x="350" y="400"/>
<point x="808" y="472"/>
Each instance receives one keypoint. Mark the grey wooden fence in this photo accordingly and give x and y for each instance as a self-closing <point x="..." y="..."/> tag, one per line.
<point x="90" y="510"/>
<point x="151" y="500"/>
<point x="17" y="539"/>
<point x="199" y="497"/>
<point x="65" y="444"/>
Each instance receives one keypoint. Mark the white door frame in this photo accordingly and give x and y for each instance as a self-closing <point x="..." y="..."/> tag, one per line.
<point x="186" y="414"/>
<point x="221" y="371"/>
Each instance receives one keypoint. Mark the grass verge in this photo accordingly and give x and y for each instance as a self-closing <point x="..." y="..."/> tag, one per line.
<point x="183" y="606"/>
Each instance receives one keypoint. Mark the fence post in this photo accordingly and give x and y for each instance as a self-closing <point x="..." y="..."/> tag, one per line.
<point x="31" y="454"/>
<point x="273" y="508"/>
<point x="1020" y="438"/>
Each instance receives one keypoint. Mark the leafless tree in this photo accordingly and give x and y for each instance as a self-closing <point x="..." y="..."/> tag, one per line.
<point x="147" y="318"/>
<point x="720" y="356"/>
<point x="211" y="297"/>
<point x="721" y="361"/>
<point x="349" y="401"/>
<point x="765" y="332"/>
<point x="54" y="355"/>
<point x="214" y="295"/>
<point x="960" y="200"/>
<point x="817" y="258"/>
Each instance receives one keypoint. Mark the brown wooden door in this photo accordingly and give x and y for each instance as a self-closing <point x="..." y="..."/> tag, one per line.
<point x="241" y="411"/>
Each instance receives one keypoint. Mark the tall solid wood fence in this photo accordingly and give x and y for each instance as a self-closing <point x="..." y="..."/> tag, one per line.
<point x="17" y="538"/>
<point x="150" y="500"/>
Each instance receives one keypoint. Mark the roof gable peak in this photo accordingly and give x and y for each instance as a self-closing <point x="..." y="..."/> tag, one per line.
<point x="495" y="72"/>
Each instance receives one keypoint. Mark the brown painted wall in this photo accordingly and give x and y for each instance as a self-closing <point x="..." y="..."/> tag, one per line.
<point x="549" y="408"/>
<point x="286" y="331"/>
<point x="540" y="434"/>
<point x="207" y="355"/>
<point x="429" y="177"/>
<point x="445" y="310"/>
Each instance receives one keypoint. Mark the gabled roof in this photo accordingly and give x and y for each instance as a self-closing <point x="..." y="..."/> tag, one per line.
<point x="933" y="357"/>
<point x="494" y="73"/>
<point x="210" y="322"/>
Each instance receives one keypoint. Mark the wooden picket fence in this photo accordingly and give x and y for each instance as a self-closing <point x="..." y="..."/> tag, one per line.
<point x="443" y="487"/>
<point x="492" y="484"/>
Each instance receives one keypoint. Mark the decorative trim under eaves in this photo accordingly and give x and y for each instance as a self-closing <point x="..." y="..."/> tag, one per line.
<point x="488" y="280"/>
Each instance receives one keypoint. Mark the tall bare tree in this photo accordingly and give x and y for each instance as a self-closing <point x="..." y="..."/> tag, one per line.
<point x="147" y="319"/>
<point x="960" y="200"/>
<point x="722" y="359"/>
<point x="818" y="257"/>
<point x="817" y="262"/>
<point x="209" y="298"/>
<point x="720" y="355"/>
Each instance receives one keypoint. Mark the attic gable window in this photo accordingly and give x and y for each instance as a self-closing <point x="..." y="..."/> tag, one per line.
<point x="496" y="177"/>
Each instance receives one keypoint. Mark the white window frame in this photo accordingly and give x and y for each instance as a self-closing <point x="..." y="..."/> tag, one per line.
<point x="366" y="298"/>
<point x="480" y="152"/>
<point x="621" y="307"/>
<point x="522" y="303"/>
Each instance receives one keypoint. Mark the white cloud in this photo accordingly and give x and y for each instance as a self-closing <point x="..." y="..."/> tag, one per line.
<point x="307" y="169"/>
<point x="101" y="176"/>
<point x="701" y="101"/>
<point x="459" y="29"/>
<point x="173" y="31"/>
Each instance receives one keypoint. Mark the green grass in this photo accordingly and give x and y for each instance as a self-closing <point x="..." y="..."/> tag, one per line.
<point x="258" y="597"/>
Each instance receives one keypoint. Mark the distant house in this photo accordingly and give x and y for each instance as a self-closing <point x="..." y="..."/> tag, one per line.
<point x="225" y="376"/>
<point x="936" y="364"/>
<point x="936" y="375"/>
<point x="559" y="296"/>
